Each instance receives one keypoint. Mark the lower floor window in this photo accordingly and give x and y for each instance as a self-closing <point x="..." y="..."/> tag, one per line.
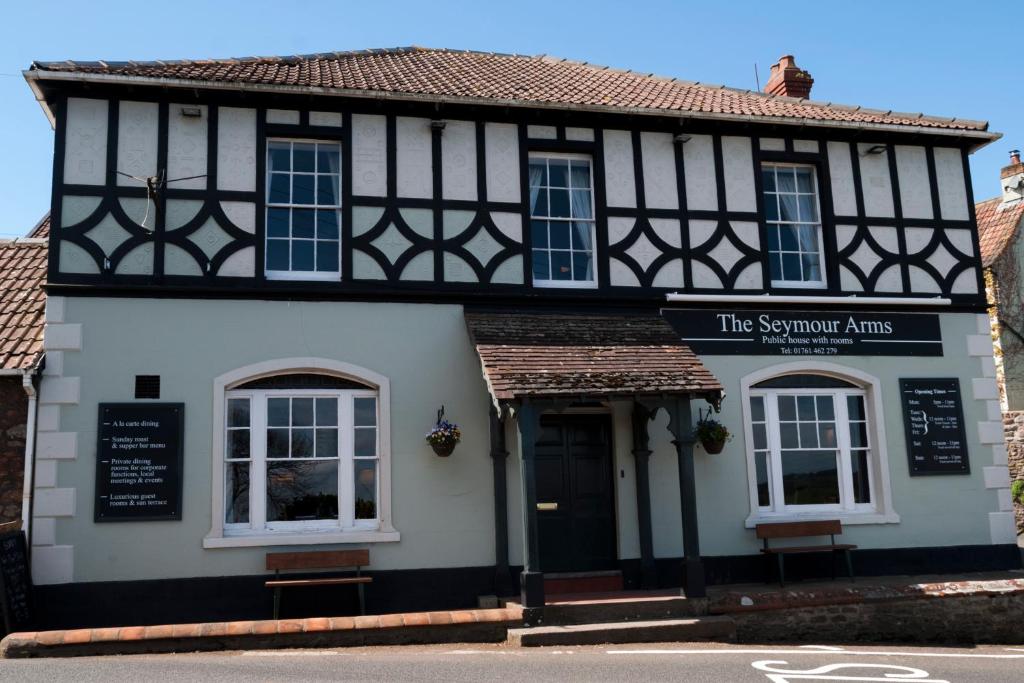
<point x="301" y="458"/>
<point x="811" y="444"/>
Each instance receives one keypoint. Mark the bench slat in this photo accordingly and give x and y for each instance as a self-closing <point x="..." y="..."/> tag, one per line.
<point x="799" y="529"/>
<point x="325" y="559"/>
<point x="281" y="583"/>
<point x="808" y="549"/>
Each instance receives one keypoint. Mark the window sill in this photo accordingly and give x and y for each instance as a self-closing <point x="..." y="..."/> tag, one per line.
<point x="302" y="538"/>
<point x="846" y="517"/>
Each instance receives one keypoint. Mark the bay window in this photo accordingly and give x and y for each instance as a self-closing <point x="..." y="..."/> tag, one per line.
<point x="815" y="449"/>
<point x="301" y="457"/>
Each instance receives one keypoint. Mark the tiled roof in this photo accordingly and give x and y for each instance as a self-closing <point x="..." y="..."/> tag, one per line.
<point x="997" y="224"/>
<point x="22" y="302"/>
<point x="42" y="228"/>
<point x="532" y="354"/>
<point x="500" y="78"/>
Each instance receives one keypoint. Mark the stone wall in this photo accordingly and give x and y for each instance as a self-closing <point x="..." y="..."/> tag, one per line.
<point x="966" y="611"/>
<point x="1013" y="424"/>
<point x="13" y="414"/>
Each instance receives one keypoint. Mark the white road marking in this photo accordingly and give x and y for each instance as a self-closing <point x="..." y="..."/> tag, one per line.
<point x="294" y="653"/>
<point x="823" y="647"/>
<point x="859" y="653"/>
<point x="824" y="673"/>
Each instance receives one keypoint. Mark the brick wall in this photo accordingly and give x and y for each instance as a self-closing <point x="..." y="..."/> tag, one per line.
<point x="13" y="413"/>
<point x="1013" y="425"/>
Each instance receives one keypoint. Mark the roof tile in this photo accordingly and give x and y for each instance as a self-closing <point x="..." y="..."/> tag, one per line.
<point x="438" y="73"/>
<point x="997" y="224"/>
<point x="550" y="355"/>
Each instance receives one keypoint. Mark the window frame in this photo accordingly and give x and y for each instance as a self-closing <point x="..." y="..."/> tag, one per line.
<point x="382" y="530"/>
<point x="565" y="284"/>
<point x="819" y="224"/>
<point x="300" y="275"/>
<point x="880" y="510"/>
<point x="346" y="459"/>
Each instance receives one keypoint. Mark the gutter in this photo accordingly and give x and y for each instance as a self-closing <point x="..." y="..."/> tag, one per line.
<point x="796" y="299"/>
<point x="36" y="75"/>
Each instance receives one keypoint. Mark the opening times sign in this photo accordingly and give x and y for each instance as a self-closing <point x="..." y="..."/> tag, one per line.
<point x="933" y="417"/>
<point x="139" y="462"/>
<point x="806" y="333"/>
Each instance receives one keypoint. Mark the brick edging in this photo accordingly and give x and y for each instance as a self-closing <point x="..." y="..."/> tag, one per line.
<point x="481" y="625"/>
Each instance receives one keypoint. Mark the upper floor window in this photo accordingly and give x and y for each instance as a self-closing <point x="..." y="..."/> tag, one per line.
<point x="562" y="220"/>
<point x="303" y="209"/>
<point x="795" y="253"/>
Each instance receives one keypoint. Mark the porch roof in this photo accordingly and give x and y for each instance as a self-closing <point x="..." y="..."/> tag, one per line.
<point x="527" y="354"/>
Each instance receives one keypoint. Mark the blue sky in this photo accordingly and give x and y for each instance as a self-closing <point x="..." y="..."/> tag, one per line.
<point x="940" y="57"/>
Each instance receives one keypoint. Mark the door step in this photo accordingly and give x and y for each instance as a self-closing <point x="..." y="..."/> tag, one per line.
<point x="620" y="608"/>
<point x="563" y="583"/>
<point x="669" y="630"/>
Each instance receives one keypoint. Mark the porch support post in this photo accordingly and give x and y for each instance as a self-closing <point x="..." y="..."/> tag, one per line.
<point x="531" y="581"/>
<point x="641" y="458"/>
<point x="499" y="460"/>
<point x="680" y="426"/>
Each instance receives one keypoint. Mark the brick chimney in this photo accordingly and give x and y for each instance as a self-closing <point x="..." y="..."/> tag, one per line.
<point x="1012" y="179"/>
<point x="788" y="80"/>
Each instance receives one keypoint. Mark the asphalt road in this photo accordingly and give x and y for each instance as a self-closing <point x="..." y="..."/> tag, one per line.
<point x="667" y="661"/>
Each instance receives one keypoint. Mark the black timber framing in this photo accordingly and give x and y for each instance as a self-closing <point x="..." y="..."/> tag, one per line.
<point x="157" y="284"/>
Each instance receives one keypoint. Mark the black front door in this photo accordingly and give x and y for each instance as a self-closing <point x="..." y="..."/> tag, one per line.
<point x="575" y="499"/>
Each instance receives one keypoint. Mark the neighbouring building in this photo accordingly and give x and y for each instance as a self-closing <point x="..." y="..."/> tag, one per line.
<point x="269" y="277"/>
<point x="1002" y="255"/>
<point x="22" y="302"/>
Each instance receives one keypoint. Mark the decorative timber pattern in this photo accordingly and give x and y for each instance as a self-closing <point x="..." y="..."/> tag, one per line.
<point x="438" y="204"/>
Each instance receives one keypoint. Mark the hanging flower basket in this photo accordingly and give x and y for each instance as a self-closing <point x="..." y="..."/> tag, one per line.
<point x="444" y="436"/>
<point x="712" y="434"/>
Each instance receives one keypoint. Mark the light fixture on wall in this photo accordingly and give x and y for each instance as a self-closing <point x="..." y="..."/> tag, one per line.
<point x="192" y="112"/>
<point x="875" y="149"/>
<point x="681" y="138"/>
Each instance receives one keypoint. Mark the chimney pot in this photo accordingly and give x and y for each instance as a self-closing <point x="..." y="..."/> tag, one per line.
<point x="1014" y="156"/>
<point x="788" y="80"/>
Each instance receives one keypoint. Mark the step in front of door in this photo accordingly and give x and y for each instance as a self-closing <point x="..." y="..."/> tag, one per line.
<point x="670" y="630"/>
<point x="566" y="583"/>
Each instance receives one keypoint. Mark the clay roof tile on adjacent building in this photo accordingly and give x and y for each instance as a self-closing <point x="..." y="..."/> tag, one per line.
<point x="997" y="225"/>
<point x="486" y="77"/>
<point x="22" y="302"/>
<point x="558" y="355"/>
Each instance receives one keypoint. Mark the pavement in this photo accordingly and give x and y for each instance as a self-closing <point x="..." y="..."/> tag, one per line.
<point x="700" y="662"/>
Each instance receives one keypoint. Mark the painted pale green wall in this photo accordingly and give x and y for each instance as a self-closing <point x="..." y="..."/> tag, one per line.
<point x="443" y="507"/>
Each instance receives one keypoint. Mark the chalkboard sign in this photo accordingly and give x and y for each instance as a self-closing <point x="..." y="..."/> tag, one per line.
<point x="933" y="417"/>
<point x="139" y="462"/>
<point x="15" y="582"/>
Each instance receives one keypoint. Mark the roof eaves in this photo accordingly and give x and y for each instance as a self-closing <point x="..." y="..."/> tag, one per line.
<point x="979" y="129"/>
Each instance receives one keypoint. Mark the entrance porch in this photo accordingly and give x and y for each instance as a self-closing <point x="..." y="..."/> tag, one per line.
<point x="550" y="375"/>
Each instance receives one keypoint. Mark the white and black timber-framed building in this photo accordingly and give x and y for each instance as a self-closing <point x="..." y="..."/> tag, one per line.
<point x="266" y="277"/>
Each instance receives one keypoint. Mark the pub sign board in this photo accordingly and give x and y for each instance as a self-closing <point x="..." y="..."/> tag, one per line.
<point x="933" y="418"/>
<point x="715" y="332"/>
<point x="139" y="460"/>
<point x="15" y="582"/>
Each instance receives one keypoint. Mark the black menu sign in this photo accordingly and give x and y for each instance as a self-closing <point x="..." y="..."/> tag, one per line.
<point x="933" y="416"/>
<point x="139" y="462"/>
<point x="15" y="583"/>
<point x="724" y="332"/>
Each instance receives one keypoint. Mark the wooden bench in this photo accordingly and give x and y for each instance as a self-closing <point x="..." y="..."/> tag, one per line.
<point x="331" y="559"/>
<point x="804" y="530"/>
